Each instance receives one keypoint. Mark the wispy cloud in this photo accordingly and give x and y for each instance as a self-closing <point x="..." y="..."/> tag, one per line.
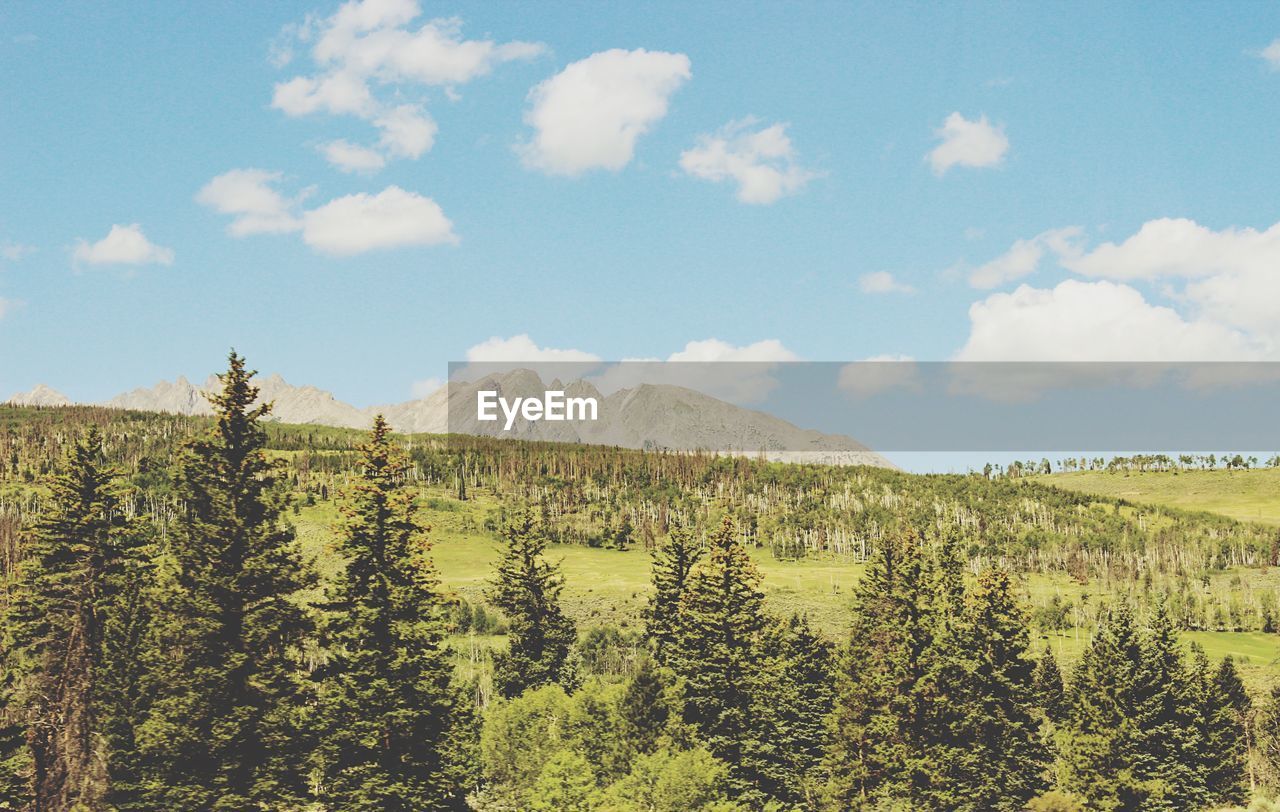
<point x="882" y="282"/>
<point x="762" y="162"/>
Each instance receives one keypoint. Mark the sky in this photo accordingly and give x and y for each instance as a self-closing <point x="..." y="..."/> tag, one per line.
<point x="354" y="195"/>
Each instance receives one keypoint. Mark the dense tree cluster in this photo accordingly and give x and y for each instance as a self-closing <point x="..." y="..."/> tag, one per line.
<point x="166" y="645"/>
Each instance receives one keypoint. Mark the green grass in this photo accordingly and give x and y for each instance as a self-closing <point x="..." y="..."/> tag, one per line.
<point x="610" y="587"/>
<point x="1252" y="496"/>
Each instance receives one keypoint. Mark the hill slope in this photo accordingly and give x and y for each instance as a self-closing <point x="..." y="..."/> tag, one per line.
<point x="1252" y="495"/>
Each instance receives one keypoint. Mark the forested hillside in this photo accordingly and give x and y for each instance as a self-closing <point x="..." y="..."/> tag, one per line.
<point x="224" y="613"/>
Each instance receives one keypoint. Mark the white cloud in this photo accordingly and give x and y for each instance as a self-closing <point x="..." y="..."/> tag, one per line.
<point x="344" y="226"/>
<point x="6" y="307"/>
<point x="425" y="388"/>
<point x="523" y="348"/>
<point x="337" y="94"/>
<point x="123" y="245"/>
<point x="371" y="38"/>
<point x="738" y="374"/>
<point x="1220" y="287"/>
<point x="714" y="350"/>
<point x="407" y="131"/>
<point x="882" y="282"/>
<point x="762" y="162"/>
<point x="367" y="54"/>
<point x="1271" y="54"/>
<point x="393" y="218"/>
<point x="1093" y="321"/>
<point x="1024" y="257"/>
<point x="968" y="143"/>
<point x="877" y="374"/>
<point x="15" y="251"/>
<point x="250" y="197"/>
<point x="1229" y="276"/>
<point x="589" y="115"/>
<point x="351" y="157"/>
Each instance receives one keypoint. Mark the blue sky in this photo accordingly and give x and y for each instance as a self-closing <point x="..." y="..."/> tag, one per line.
<point x="1106" y="186"/>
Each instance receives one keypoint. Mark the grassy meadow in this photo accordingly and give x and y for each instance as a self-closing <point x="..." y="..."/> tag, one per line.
<point x="606" y="587"/>
<point x="1251" y="495"/>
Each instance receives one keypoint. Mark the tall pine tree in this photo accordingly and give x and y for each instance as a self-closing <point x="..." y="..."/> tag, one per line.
<point x="998" y="759"/>
<point x="1226" y="712"/>
<point x="74" y="583"/>
<point x="398" y="736"/>
<point x="527" y="590"/>
<point x="718" y="656"/>
<point x="223" y="732"/>
<point x="672" y="563"/>
<point x="879" y="749"/>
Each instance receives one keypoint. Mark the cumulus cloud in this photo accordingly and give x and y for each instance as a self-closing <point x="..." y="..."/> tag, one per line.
<point x="1172" y="290"/>
<point x="762" y="162"/>
<point x="337" y="94"/>
<point x="589" y="115"/>
<point x="968" y="143"/>
<point x="877" y="374"/>
<point x="1024" y="257"/>
<point x="497" y="354"/>
<point x="123" y="245"/>
<point x="1093" y="321"/>
<point x="368" y="53"/>
<point x="255" y="205"/>
<point x="1271" y="54"/>
<point x="393" y="218"/>
<point x="714" y="350"/>
<point x="882" y="282"/>
<point x="407" y="132"/>
<point x="523" y="348"/>
<point x="350" y="157"/>
<point x="354" y="224"/>
<point x="736" y="373"/>
<point x="1229" y="276"/>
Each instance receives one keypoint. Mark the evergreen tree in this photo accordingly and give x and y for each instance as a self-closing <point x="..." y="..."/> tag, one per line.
<point x="1169" y="740"/>
<point x="397" y="733"/>
<point x="718" y="656"/>
<point x="1226" y="711"/>
<point x="223" y="732"/>
<point x="1133" y="737"/>
<point x="878" y="750"/>
<point x="1050" y="691"/>
<point x="644" y="709"/>
<point x="527" y="590"/>
<point x="672" y="563"/>
<point x="1097" y="739"/>
<point x="793" y="708"/>
<point x="997" y="757"/>
<point x="79" y="568"/>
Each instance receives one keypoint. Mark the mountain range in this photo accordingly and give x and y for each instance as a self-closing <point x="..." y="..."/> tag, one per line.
<point x="648" y="416"/>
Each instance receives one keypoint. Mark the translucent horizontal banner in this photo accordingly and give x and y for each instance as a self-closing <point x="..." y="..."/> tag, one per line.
<point x="847" y="412"/>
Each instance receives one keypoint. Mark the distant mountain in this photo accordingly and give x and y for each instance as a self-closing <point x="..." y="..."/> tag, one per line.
<point x="176" y="397"/>
<point x="41" y="395"/>
<point x="292" y="404"/>
<point x="647" y="416"/>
